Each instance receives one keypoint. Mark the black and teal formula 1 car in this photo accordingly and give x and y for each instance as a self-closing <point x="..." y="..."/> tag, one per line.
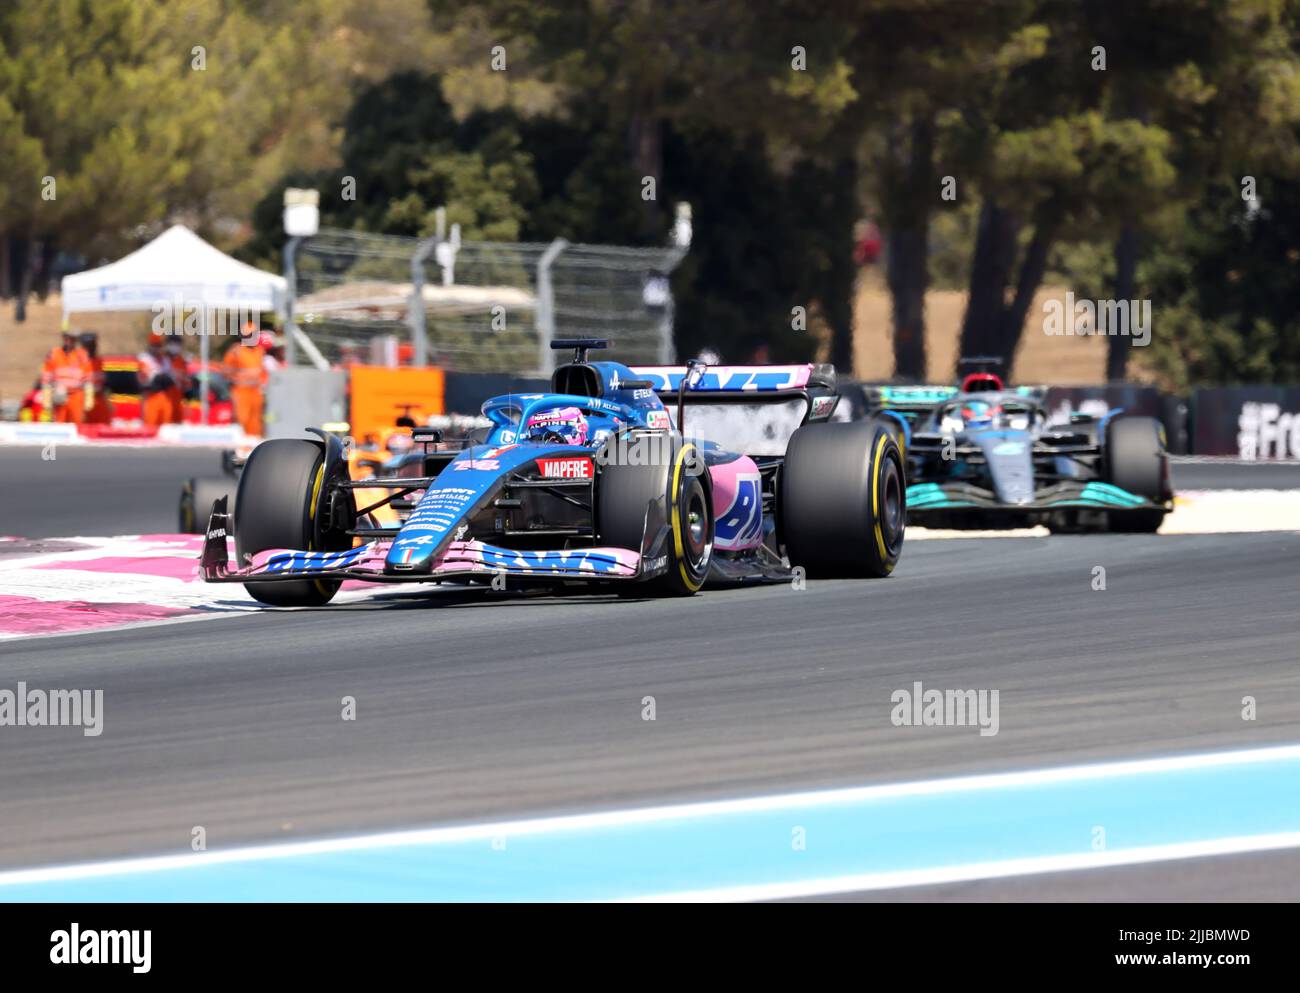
<point x="981" y="456"/>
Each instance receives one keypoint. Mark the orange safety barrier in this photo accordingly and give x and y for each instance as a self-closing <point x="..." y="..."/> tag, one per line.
<point x="381" y="394"/>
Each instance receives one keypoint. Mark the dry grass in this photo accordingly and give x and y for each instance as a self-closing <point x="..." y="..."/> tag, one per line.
<point x="23" y="347"/>
<point x="1043" y="358"/>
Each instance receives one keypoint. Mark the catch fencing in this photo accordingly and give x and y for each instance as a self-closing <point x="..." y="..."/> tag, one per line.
<point x="478" y="306"/>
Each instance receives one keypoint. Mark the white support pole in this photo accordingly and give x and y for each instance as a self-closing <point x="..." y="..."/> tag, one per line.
<point x="291" y="298"/>
<point x="419" y="336"/>
<point x="205" y="351"/>
<point x="309" y="348"/>
<point x="545" y="311"/>
<point x="667" y="347"/>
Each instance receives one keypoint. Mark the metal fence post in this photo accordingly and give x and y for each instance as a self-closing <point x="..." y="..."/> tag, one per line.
<point x="667" y="347"/>
<point x="419" y="339"/>
<point x="205" y="357"/>
<point x="359" y="287"/>
<point x="291" y="279"/>
<point x="546" y="306"/>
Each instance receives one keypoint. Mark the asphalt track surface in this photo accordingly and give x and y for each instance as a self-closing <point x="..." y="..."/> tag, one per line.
<point x="93" y="492"/>
<point x="475" y="706"/>
<point x="97" y="491"/>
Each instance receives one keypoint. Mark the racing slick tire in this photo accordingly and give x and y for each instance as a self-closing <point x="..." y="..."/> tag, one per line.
<point x="1136" y="461"/>
<point x="843" y="501"/>
<point x="896" y="431"/>
<point x="677" y="491"/>
<point x="197" y="497"/>
<point x="275" y="508"/>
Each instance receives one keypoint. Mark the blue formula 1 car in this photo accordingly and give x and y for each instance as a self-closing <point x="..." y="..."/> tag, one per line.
<point x="983" y="456"/>
<point x="596" y="482"/>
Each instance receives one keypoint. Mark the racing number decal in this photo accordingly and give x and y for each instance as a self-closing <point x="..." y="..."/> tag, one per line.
<point x="691" y="584"/>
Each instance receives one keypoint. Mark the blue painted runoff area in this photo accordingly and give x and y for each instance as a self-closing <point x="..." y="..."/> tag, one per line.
<point x="756" y="842"/>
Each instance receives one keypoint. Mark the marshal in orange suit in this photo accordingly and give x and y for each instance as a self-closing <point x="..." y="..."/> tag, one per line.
<point x="245" y="367"/>
<point x="64" y="376"/>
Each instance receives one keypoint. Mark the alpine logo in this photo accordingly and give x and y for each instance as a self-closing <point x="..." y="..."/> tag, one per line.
<point x="313" y="561"/>
<point x="772" y="377"/>
<point x="565" y="468"/>
<point x="556" y="562"/>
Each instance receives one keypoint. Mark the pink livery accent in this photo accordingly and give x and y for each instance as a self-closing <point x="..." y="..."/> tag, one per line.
<point x="737" y="504"/>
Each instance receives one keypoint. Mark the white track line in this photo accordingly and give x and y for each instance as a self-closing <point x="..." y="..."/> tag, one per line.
<point x="711" y="808"/>
<point x="1007" y="869"/>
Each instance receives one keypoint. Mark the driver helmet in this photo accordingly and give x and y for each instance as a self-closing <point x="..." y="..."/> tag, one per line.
<point x="567" y="425"/>
<point x="978" y="413"/>
<point x="982" y="382"/>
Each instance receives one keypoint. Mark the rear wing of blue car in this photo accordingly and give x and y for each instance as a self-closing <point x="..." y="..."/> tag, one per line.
<point x="752" y="409"/>
<point x="765" y="384"/>
<point x="738" y="378"/>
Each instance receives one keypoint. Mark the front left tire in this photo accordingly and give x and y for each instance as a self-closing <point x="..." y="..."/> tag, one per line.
<point x="275" y="507"/>
<point x="675" y="489"/>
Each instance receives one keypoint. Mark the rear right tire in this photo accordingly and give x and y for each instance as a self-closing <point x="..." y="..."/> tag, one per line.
<point x="843" y="500"/>
<point x="1136" y="461"/>
<point x="1135" y="457"/>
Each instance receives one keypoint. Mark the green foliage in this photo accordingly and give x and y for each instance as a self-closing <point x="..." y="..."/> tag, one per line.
<point x="143" y="111"/>
<point x="404" y="155"/>
<point x="781" y="123"/>
<point x="764" y="244"/>
<point x="1226" y="292"/>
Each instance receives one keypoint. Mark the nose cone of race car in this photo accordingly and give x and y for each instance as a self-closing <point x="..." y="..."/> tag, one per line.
<point x="1009" y="455"/>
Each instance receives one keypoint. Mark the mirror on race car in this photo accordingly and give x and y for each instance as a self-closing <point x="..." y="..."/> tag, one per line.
<point x="695" y="370"/>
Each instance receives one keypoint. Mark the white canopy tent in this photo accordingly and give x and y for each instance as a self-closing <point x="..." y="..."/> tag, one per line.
<point x="176" y="272"/>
